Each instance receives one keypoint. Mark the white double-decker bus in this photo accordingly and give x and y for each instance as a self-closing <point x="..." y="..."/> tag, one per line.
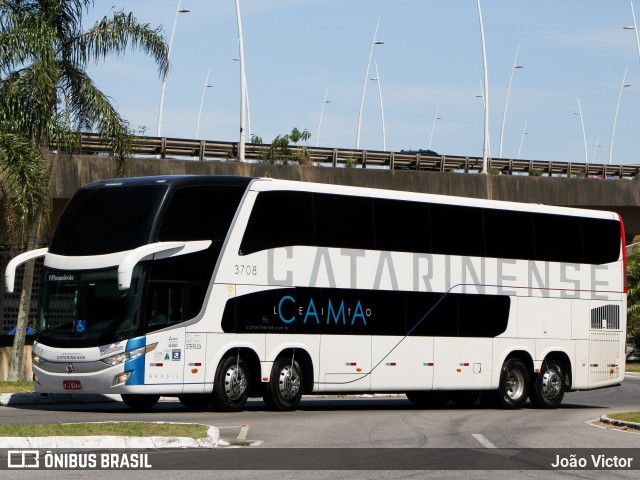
<point x="219" y="288"/>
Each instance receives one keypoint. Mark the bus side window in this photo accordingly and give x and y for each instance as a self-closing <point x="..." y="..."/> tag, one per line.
<point x="165" y="305"/>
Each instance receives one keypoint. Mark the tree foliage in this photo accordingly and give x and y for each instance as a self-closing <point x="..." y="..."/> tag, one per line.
<point x="45" y="91"/>
<point x="46" y="96"/>
<point x="280" y="151"/>
<point x="633" y="297"/>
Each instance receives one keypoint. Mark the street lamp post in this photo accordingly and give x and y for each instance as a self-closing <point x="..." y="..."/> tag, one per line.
<point x="433" y="126"/>
<point x="635" y="28"/>
<point x="595" y="149"/>
<point x="524" y="132"/>
<point x="377" y="79"/>
<point x="485" y="143"/>
<point x="615" y="116"/>
<point x="584" y="134"/>
<point x="481" y="96"/>
<point x="164" y="77"/>
<point x="204" y="91"/>
<point x="506" y="102"/>
<point x="324" y="102"/>
<point x="366" y="79"/>
<point x="243" y="87"/>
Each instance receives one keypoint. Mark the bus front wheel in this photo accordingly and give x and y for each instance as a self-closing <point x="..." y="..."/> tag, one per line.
<point x="283" y="391"/>
<point x="513" y="389"/>
<point x="140" y="402"/>
<point x="231" y="385"/>
<point x="547" y="390"/>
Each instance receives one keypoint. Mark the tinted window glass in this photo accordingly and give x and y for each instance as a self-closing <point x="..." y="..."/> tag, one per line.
<point x="509" y="234"/>
<point x="343" y="222"/>
<point x="457" y="230"/>
<point x="200" y="213"/>
<point x="178" y="285"/>
<point x="402" y="226"/>
<point x="600" y="240"/>
<point x="106" y="220"/>
<point x="279" y="219"/>
<point x="558" y="238"/>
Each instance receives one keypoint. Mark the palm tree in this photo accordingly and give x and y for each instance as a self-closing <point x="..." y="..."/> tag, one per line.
<point x="46" y="95"/>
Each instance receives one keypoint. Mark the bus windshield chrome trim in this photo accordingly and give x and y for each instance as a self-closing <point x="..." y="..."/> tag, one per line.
<point x="89" y="262"/>
<point x="160" y="250"/>
<point x="10" y="272"/>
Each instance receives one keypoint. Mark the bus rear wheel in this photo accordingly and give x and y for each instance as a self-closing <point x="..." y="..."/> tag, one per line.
<point x="513" y="389"/>
<point x="140" y="402"/>
<point x="283" y="391"/>
<point x="231" y="385"/>
<point x="548" y="388"/>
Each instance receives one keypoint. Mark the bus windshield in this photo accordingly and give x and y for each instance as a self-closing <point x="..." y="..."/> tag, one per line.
<point x="104" y="220"/>
<point x="86" y="307"/>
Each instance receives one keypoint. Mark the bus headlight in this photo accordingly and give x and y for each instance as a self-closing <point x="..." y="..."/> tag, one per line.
<point x="128" y="355"/>
<point x="121" y="378"/>
<point x="37" y="359"/>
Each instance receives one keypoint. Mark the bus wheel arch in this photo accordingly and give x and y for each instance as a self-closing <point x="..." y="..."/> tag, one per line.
<point x="235" y="379"/>
<point x="514" y="382"/>
<point x="289" y="379"/>
<point x="549" y="385"/>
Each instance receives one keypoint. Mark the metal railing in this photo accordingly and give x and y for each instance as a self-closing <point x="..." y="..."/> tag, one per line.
<point x="205" y="149"/>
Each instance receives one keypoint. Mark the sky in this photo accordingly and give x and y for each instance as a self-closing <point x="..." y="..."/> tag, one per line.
<point x="572" y="52"/>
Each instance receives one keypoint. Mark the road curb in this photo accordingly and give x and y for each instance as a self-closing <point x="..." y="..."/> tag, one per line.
<point x="620" y="423"/>
<point x="113" y="442"/>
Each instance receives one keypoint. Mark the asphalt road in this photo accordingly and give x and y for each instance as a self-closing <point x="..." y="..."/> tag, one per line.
<point x="369" y="423"/>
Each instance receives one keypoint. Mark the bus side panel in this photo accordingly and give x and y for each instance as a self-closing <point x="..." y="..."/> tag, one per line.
<point x="544" y="318"/>
<point x="345" y="363"/>
<point x="462" y="363"/>
<point x="165" y="364"/>
<point x="402" y="363"/>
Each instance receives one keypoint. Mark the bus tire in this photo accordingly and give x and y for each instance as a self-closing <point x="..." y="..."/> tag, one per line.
<point x="231" y="385"/>
<point x="513" y="389"/>
<point x="140" y="402"/>
<point x="284" y="389"/>
<point x="428" y="399"/>
<point x="547" y="390"/>
<point x="195" y="401"/>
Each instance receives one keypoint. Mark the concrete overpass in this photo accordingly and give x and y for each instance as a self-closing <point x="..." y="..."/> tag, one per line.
<point x="620" y="195"/>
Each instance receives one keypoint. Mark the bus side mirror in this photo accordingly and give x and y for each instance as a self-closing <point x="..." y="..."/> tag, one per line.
<point x="159" y="251"/>
<point x="10" y="271"/>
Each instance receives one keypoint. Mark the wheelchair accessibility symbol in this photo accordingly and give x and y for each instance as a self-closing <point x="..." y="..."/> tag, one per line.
<point x="81" y="326"/>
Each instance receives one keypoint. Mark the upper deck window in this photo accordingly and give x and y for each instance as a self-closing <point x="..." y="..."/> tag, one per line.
<point x="98" y="221"/>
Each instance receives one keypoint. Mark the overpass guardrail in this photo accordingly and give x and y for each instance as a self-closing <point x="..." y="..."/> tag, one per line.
<point x="201" y="150"/>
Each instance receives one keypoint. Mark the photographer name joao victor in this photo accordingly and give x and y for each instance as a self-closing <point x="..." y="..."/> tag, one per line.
<point x="591" y="461"/>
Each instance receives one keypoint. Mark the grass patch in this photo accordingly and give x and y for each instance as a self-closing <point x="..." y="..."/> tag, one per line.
<point x="16" y="387"/>
<point x="626" y="417"/>
<point x="632" y="367"/>
<point x="127" y="429"/>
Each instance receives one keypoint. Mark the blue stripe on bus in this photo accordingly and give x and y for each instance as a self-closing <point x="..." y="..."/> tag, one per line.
<point x="136" y="366"/>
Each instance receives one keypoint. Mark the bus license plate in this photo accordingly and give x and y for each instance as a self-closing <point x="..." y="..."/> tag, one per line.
<point x="71" y="384"/>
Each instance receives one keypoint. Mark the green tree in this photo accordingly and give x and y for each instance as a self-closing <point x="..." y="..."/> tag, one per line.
<point x="633" y="297"/>
<point x="46" y="95"/>
<point x="280" y="150"/>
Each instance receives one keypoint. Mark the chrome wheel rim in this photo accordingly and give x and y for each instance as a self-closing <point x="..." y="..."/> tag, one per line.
<point x="289" y="382"/>
<point x="551" y="384"/>
<point x="235" y="383"/>
<point x="514" y="384"/>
